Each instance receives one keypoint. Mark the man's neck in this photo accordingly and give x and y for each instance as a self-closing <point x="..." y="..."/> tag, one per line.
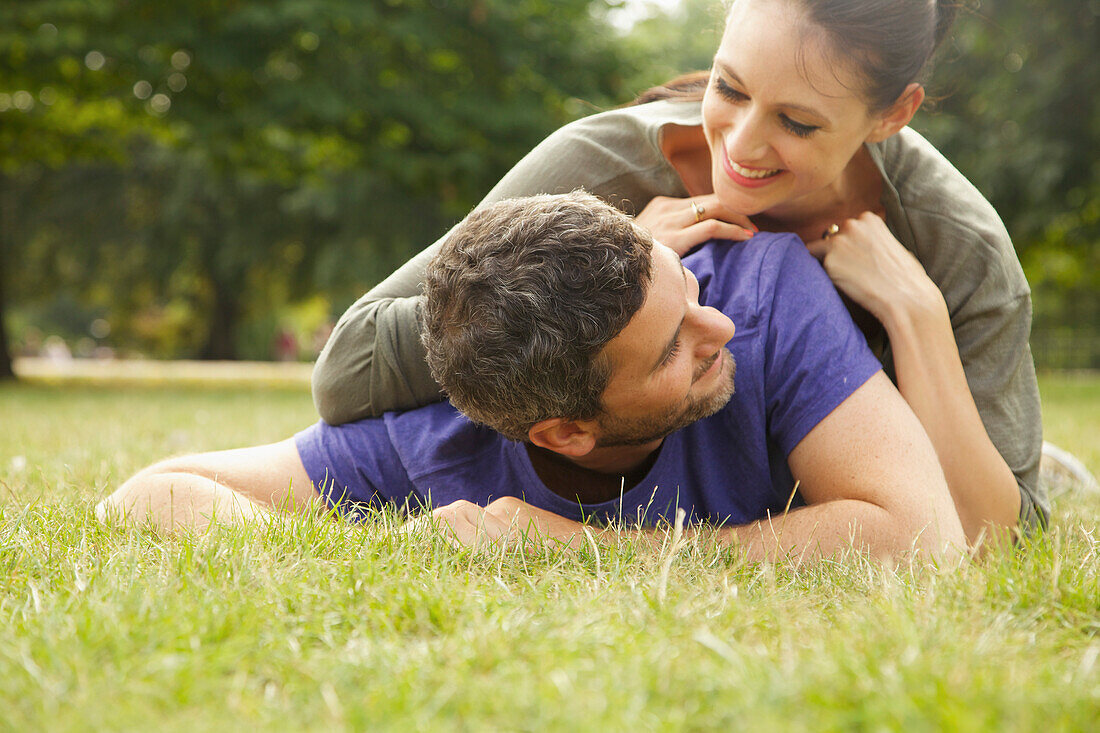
<point x="600" y="476"/>
<point x="619" y="459"/>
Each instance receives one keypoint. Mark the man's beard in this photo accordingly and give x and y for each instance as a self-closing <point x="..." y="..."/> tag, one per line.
<point x="616" y="432"/>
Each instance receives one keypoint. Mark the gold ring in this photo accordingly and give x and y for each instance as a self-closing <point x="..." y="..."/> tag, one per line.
<point x="698" y="211"/>
<point x="832" y="231"/>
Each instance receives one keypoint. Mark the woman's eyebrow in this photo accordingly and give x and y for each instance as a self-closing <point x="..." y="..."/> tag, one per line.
<point x="727" y="71"/>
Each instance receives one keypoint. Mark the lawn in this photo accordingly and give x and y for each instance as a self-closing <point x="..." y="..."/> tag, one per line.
<point x="323" y="626"/>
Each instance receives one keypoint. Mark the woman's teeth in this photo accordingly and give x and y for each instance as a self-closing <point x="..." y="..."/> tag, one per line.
<point x="753" y="172"/>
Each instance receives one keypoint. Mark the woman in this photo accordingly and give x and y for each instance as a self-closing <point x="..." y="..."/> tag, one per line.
<point x="801" y="128"/>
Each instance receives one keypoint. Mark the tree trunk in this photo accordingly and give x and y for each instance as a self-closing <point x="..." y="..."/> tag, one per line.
<point x="6" y="371"/>
<point x="221" y="340"/>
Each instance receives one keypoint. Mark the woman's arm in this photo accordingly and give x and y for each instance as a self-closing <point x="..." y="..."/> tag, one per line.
<point x="867" y="263"/>
<point x="373" y="361"/>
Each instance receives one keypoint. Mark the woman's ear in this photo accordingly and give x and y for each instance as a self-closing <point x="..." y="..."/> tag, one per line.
<point x="571" y="438"/>
<point x="897" y="115"/>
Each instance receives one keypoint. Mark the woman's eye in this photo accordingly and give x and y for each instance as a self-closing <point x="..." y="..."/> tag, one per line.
<point x="797" y="127"/>
<point x="728" y="92"/>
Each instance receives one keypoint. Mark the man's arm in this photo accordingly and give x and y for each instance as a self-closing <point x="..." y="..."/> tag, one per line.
<point x="225" y="487"/>
<point x="871" y="480"/>
<point x="867" y="471"/>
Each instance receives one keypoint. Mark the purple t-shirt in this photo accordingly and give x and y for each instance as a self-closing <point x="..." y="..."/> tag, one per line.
<point x="798" y="356"/>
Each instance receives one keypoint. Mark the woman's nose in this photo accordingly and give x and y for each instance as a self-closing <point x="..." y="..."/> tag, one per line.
<point x="745" y="140"/>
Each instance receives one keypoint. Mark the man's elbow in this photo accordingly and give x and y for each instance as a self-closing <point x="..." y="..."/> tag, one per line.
<point x="933" y="531"/>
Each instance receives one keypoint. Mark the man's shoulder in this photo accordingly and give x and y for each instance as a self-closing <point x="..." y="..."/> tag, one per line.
<point x="741" y="278"/>
<point x="438" y="437"/>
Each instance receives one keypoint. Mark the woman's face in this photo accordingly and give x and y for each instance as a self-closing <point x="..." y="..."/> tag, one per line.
<point x="782" y="120"/>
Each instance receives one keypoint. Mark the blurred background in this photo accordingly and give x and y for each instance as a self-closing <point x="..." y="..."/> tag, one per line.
<point x="220" y="179"/>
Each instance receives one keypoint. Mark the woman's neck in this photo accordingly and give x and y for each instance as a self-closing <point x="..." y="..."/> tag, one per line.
<point x="858" y="189"/>
<point x="685" y="148"/>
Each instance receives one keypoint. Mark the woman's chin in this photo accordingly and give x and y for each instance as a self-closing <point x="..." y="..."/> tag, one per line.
<point x="743" y="202"/>
<point x="753" y="199"/>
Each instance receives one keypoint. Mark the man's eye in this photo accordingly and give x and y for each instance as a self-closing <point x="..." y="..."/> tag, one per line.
<point x="671" y="356"/>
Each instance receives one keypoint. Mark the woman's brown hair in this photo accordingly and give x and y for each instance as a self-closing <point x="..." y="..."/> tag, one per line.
<point x="687" y="87"/>
<point x="890" y="42"/>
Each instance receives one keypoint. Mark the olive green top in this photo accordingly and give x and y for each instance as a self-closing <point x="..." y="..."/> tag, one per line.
<point x="374" y="361"/>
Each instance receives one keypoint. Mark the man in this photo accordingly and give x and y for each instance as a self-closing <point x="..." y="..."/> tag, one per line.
<point x="598" y="375"/>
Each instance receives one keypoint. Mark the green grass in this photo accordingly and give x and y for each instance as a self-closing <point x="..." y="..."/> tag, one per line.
<point x="322" y="626"/>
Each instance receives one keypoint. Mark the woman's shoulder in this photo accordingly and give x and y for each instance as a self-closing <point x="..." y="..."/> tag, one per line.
<point x="927" y="183"/>
<point x="613" y="154"/>
<point x="954" y="231"/>
<point x="623" y="138"/>
<point x="630" y="122"/>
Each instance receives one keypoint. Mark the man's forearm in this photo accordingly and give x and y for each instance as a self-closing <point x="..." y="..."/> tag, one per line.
<point x="830" y="530"/>
<point x="833" y="528"/>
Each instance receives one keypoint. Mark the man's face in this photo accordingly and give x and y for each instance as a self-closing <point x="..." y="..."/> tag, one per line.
<point x="670" y="366"/>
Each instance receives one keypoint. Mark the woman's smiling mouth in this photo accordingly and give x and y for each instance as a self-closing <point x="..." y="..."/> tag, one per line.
<point x="753" y="172"/>
<point x="747" y="177"/>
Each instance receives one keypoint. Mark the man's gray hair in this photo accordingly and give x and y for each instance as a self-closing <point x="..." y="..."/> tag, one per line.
<point x="520" y="301"/>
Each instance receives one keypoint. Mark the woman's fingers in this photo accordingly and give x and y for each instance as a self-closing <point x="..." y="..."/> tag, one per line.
<point x="708" y="207"/>
<point x="683" y="223"/>
<point x="684" y="240"/>
<point x="869" y="265"/>
<point x="819" y="248"/>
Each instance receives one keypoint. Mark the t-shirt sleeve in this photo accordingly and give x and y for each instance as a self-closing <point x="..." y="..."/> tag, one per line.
<point x="355" y="465"/>
<point x="814" y="355"/>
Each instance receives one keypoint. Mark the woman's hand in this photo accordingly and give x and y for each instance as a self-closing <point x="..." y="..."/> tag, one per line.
<point x="869" y="265"/>
<point x="684" y="223"/>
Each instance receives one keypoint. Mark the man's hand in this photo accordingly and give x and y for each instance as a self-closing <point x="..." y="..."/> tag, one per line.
<point x="506" y="520"/>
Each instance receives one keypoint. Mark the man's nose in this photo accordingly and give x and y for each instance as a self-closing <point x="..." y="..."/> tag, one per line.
<point x="715" y="330"/>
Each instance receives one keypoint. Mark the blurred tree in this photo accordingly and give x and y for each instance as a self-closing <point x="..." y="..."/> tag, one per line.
<point x="332" y="130"/>
<point x="192" y="159"/>
<point x="1019" y="117"/>
<point x="671" y="42"/>
<point x="52" y="113"/>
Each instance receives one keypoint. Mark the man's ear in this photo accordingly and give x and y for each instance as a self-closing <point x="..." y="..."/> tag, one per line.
<point x="571" y="438"/>
<point x="897" y="115"/>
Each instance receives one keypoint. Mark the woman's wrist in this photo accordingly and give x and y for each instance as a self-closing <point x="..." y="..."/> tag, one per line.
<point x="916" y="310"/>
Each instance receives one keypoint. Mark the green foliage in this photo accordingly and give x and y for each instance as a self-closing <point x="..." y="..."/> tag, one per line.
<point x="285" y="145"/>
<point x="669" y="43"/>
<point x="1019" y="117"/>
